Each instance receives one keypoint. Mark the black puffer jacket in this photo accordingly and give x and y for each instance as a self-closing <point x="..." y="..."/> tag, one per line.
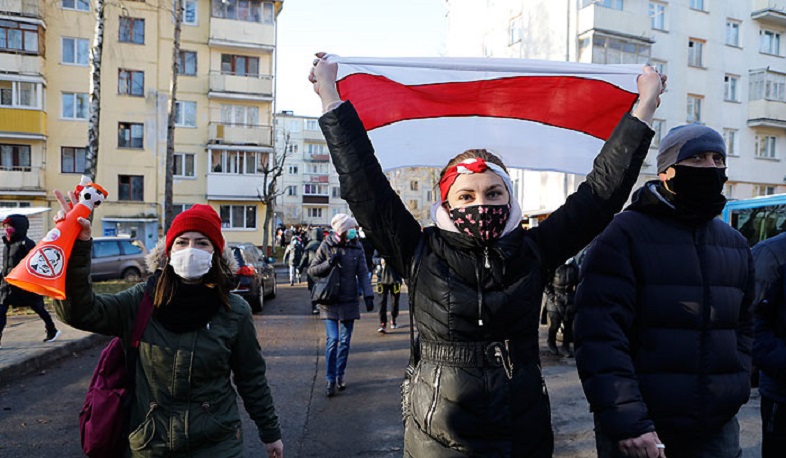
<point x="352" y="272"/>
<point x="663" y="331"/>
<point x="468" y="297"/>
<point x="14" y="252"/>
<point x="769" y="317"/>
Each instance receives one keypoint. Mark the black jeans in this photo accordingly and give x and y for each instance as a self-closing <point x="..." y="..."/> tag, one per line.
<point x="395" y="291"/>
<point x="38" y="307"/>
<point x="773" y="428"/>
<point x="723" y="443"/>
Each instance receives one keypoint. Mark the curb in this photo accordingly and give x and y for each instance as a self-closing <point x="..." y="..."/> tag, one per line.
<point x="46" y="359"/>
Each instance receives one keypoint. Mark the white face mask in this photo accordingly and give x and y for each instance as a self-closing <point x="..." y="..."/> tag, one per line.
<point x="191" y="263"/>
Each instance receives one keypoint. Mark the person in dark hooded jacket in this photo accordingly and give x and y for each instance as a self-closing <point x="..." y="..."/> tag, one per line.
<point x="16" y="246"/>
<point x="477" y="388"/>
<point x="663" y="328"/>
<point x="309" y="252"/>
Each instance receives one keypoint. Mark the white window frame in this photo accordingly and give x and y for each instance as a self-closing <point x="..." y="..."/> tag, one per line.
<point x="185" y="117"/>
<point x="195" y="5"/>
<point x="78" y="5"/>
<point x="314" y="212"/>
<point x="697" y="5"/>
<point x="75" y="98"/>
<point x="760" y="190"/>
<point x="181" y="161"/>
<point x="237" y="162"/>
<point x="75" y="56"/>
<point x="766" y="147"/>
<point x="733" y="28"/>
<point x="612" y="4"/>
<point x="696" y="52"/>
<point x="239" y="115"/>
<point x="292" y="169"/>
<point x="231" y="224"/>
<point x="731" y="139"/>
<point x="657" y="126"/>
<point x="292" y="190"/>
<point x="24" y="154"/>
<point x="731" y="88"/>
<point x="657" y="13"/>
<point x="312" y="124"/>
<point x="18" y="88"/>
<point x="770" y="42"/>
<point x="515" y="30"/>
<point x="315" y="189"/>
<point x="614" y="50"/>
<point x="767" y="85"/>
<point x="694" y="108"/>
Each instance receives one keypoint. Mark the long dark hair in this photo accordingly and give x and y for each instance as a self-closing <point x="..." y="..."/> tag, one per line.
<point x="218" y="277"/>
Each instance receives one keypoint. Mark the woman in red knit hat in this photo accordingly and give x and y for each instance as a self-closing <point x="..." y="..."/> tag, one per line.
<point x="197" y="336"/>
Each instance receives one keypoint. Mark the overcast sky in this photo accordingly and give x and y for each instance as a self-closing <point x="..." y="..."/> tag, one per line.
<point x="351" y="28"/>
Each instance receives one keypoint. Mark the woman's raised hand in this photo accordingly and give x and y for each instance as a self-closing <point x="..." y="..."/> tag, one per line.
<point x="651" y="85"/>
<point x="323" y="77"/>
<point x="65" y="207"/>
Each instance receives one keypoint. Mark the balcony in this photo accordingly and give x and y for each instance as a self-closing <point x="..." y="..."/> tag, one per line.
<point x="317" y="157"/>
<point x="27" y="8"/>
<point x="242" y="34"/>
<point x="770" y="12"/>
<point x="622" y="23"/>
<point x="228" y="186"/>
<point x="21" y="123"/>
<point x="23" y="64"/>
<point x="313" y="136"/>
<point x="767" y="113"/>
<point x="232" y="134"/>
<point x="318" y="179"/>
<point x="223" y="85"/>
<point x="316" y="199"/>
<point x="23" y="181"/>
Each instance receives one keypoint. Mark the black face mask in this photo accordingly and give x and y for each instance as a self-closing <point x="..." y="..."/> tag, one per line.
<point x="698" y="190"/>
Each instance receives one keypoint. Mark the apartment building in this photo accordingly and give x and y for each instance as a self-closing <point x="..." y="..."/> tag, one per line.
<point x="309" y="187"/>
<point x="224" y="108"/>
<point x="724" y="60"/>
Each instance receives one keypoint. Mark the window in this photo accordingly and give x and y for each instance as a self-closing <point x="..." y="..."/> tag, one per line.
<point x="312" y="124"/>
<point x="697" y="5"/>
<point x="15" y="158"/>
<point x="413" y="204"/>
<point x="335" y="192"/>
<point x="765" y="147"/>
<point x="291" y="190"/>
<point x="695" y="51"/>
<point x="243" y="10"/>
<point x="7" y="204"/>
<point x="730" y="139"/>
<point x="238" y="162"/>
<point x="185" y="113"/>
<point x="76" y="51"/>
<point x="72" y="159"/>
<point x="184" y="165"/>
<point x="614" y="4"/>
<point x="315" y="149"/>
<point x="608" y="50"/>
<point x="767" y="85"/>
<point x="515" y="30"/>
<point x="179" y="208"/>
<point x="318" y="169"/>
<point x="131" y="82"/>
<point x="75" y="105"/>
<point x="188" y="63"/>
<point x="660" y="66"/>
<point x="292" y="148"/>
<point x="132" y="30"/>
<point x="730" y="88"/>
<point x="733" y="33"/>
<point x="763" y="190"/>
<point x="314" y="212"/>
<point x="190" y="10"/>
<point x="694" y="108"/>
<point x="311" y="189"/>
<point x="413" y="185"/>
<point x="769" y="42"/>
<point x="131" y="187"/>
<point x="239" y="115"/>
<point x="657" y="126"/>
<point x="232" y="64"/>
<point x="79" y="5"/>
<point x="292" y="170"/>
<point x="238" y="216"/>
<point x="130" y="135"/>
<point x="18" y="37"/>
<point x="657" y="15"/>
<point x="295" y="125"/>
<point x="18" y="94"/>
<point x="728" y="190"/>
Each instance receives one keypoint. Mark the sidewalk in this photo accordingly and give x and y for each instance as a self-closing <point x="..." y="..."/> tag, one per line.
<point x="24" y="352"/>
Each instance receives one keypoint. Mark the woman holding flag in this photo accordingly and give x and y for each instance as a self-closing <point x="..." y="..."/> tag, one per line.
<point x="477" y="276"/>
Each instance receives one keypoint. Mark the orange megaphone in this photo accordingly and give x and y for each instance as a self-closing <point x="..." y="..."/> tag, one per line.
<point x="43" y="270"/>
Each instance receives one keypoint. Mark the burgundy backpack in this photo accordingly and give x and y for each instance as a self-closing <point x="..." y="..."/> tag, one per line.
<point x="103" y="421"/>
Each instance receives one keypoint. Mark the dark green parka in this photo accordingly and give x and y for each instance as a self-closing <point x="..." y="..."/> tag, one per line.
<point x="185" y="404"/>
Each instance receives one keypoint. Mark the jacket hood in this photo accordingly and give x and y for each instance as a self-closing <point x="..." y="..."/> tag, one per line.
<point x="156" y="259"/>
<point x="653" y="199"/>
<point x="20" y="223"/>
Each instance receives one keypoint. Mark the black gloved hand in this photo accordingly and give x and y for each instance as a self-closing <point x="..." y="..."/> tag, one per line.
<point x="335" y="258"/>
<point x="369" y="303"/>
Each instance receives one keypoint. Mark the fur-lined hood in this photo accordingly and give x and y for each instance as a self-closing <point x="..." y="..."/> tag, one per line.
<point x="156" y="259"/>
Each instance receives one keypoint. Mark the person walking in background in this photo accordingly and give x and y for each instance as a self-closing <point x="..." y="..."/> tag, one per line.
<point x="388" y="283"/>
<point x="560" y="303"/>
<point x="769" y="344"/>
<point x="16" y="245"/>
<point x="477" y="388"/>
<point x="663" y="328"/>
<point x="198" y="351"/>
<point x="292" y="256"/>
<point x="342" y="251"/>
<point x="309" y="253"/>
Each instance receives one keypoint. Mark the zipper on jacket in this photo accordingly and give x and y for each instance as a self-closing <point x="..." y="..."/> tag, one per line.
<point x="480" y="296"/>
<point x="433" y="406"/>
<point x="487" y="265"/>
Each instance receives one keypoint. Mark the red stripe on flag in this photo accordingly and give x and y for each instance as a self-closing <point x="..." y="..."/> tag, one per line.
<point x="585" y="105"/>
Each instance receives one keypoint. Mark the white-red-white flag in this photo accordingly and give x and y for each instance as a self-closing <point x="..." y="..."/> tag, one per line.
<point x="540" y="115"/>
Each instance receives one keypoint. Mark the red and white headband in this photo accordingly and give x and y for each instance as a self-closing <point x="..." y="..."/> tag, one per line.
<point x="469" y="166"/>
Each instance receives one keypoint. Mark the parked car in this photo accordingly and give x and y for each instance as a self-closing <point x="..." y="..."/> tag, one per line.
<point x="118" y="257"/>
<point x="255" y="278"/>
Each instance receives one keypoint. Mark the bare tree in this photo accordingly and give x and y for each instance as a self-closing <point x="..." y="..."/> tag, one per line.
<point x="91" y="157"/>
<point x="170" y="128"/>
<point x="268" y="192"/>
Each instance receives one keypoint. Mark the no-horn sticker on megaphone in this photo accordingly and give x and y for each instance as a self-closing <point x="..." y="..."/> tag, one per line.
<point x="47" y="262"/>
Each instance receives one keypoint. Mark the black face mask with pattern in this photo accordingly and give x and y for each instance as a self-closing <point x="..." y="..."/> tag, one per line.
<point x="484" y="222"/>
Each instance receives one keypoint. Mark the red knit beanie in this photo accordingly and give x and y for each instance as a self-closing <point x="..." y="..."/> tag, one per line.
<point x="199" y="218"/>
